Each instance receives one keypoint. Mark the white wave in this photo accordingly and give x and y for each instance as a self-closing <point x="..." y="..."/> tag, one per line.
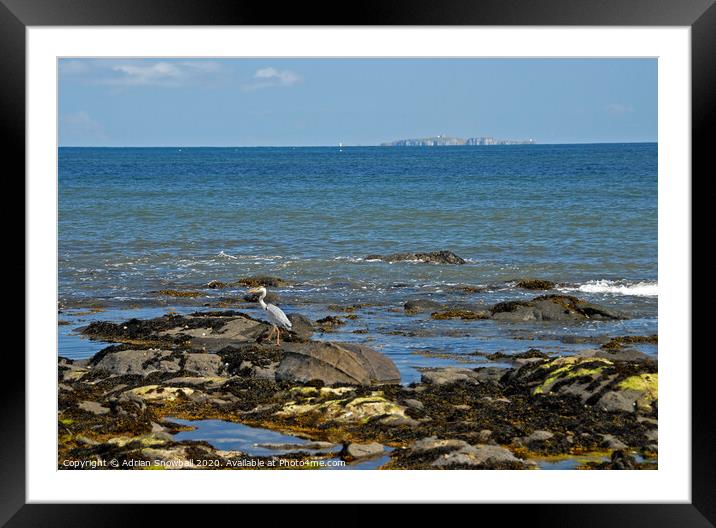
<point x="636" y="289"/>
<point x="226" y="255"/>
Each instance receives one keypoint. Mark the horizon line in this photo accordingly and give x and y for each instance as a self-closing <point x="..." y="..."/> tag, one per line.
<point x="361" y="146"/>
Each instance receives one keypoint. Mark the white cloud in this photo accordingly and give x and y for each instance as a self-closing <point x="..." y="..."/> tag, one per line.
<point x="139" y="72"/>
<point x="267" y="77"/>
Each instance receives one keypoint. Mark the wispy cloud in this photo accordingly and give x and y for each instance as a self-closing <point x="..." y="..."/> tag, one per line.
<point x="618" y="109"/>
<point x="160" y="73"/>
<point x="79" y="126"/>
<point x="140" y="72"/>
<point x="268" y="77"/>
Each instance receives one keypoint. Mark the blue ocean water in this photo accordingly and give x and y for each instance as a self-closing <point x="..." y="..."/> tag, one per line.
<point x="136" y="220"/>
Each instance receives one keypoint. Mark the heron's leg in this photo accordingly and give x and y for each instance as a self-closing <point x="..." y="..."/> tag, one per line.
<point x="271" y="331"/>
<point x="278" y="336"/>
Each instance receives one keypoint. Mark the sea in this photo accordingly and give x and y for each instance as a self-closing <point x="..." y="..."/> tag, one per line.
<point x="135" y="221"/>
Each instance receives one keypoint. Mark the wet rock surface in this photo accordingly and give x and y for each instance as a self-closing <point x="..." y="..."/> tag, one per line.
<point x="220" y="365"/>
<point x="551" y="308"/>
<point x="335" y="363"/>
<point x="432" y="257"/>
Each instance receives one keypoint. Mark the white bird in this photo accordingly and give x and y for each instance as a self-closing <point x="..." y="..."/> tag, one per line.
<point x="274" y="314"/>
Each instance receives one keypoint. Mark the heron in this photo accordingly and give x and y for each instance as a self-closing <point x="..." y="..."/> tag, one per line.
<point x="274" y="314"/>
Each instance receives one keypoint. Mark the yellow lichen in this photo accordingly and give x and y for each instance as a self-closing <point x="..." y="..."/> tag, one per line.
<point x="645" y="384"/>
<point x="570" y="369"/>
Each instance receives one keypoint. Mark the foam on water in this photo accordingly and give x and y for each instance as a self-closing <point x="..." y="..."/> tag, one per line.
<point x="636" y="289"/>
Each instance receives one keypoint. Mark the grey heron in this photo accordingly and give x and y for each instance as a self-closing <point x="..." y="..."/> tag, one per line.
<point x="274" y="314"/>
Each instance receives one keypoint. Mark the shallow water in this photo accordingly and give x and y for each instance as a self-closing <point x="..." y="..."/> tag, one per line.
<point x="135" y="221"/>
<point x="231" y="436"/>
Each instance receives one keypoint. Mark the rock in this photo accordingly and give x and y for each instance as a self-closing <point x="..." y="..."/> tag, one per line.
<point x="142" y="362"/>
<point x="433" y="257"/>
<point x="250" y="359"/>
<point x="620" y="460"/>
<point x="302" y="326"/>
<point x="298" y="447"/>
<point x="414" y="404"/>
<point x="612" y="442"/>
<point x="360" y="410"/>
<point x="212" y="382"/>
<point x="621" y="354"/>
<point x="271" y="298"/>
<point x="93" y="407"/>
<point x="550" y="308"/>
<point x="458" y="453"/>
<point x="262" y="280"/>
<point x="179" y="293"/>
<point x="485" y="435"/>
<point x="448" y="375"/>
<point x="537" y="438"/>
<point x="612" y="386"/>
<point x="641" y="391"/>
<point x="534" y="284"/>
<point x="215" y="284"/>
<point x="329" y="322"/>
<point x="466" y="315"/>
<point x="364" y="450"/>
<point x="421" y="305"/>
<point x="157" y="393"/>
<point x="204" y="364"/>
<point x="335" y="363"/>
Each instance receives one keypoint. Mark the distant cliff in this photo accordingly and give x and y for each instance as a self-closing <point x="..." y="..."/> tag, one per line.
<point x="447" y="141"/>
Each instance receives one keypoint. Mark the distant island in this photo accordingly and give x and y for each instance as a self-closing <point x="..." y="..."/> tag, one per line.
<point x="448" y="141"/>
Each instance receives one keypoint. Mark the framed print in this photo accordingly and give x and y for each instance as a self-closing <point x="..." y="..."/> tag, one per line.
<point x="435" y="256"/>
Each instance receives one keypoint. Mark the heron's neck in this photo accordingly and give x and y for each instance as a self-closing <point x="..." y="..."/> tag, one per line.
<point x="261" y="300"/>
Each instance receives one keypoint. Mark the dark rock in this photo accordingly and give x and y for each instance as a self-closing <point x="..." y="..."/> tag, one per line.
<point x="550" y="308"/>
<point x="179" y="293"/>
<point x="535" y="284"/>
<point x="270" y="297"/>
<point x="302" y="326"/>
<point x="621" y="354"/>
<point x="433" y="257"/>
<point x="329" y="322"/>
<point x="247" y="360"/>
<point x="261" y="280"/>
<point x="215" y="284"/>
<point x="335" y="363"/>
<point x="617" y="343"/>
<point x="421" y="305"/>
<point x="466" y="315"/>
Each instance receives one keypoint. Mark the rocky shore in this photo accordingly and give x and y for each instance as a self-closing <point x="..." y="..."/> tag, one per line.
<point x="347" y="400"/>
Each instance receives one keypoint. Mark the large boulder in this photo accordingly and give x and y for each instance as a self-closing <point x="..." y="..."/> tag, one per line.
<point x="335" y="363"/>
<point x="142" y="362"/>
<point x="551" y="308"/>
<point x="432" y="257"/>
<point x="612" y="386"/>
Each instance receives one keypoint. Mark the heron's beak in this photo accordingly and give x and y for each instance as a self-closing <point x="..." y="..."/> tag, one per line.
<point x="254" y="290"/>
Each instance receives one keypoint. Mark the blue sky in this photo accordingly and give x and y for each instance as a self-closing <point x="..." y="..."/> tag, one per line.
<point x="279" y="102"/>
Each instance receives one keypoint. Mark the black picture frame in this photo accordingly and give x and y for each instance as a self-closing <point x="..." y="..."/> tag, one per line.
<point x="699" y="15"/>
